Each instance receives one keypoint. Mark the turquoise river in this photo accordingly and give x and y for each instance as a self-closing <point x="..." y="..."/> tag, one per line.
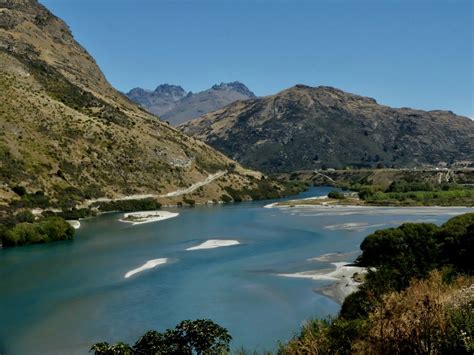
<point x="61" y="298"/>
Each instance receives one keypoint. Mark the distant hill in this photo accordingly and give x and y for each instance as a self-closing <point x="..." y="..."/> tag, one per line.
<point x="306" y="127"/>
<point x="172" y="103"/>
<point x="66" y="132"/>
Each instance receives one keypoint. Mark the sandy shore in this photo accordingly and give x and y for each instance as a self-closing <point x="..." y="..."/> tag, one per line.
<point x="150" y="264"/>
<point x="214" y="243"/>
<point x="343" y="277"/>
<point x="147" y="217"/>
<point x="75" y="224"/>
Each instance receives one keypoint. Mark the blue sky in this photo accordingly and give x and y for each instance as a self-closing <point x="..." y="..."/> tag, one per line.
<point x="413" y="53"/>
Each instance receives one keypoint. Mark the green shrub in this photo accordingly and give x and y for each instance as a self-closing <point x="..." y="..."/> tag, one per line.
<point x="146" y="204"/>
<point x="47" y="230"/>
<point x="336" y="195"/>
<point x="22" y="234"/>
<point x="25" y="216"/>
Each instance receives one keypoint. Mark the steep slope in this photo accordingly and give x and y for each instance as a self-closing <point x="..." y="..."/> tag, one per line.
<point x="306" y="128"/>
<point x="173" y="104"/>
<point x="66" y="132"/>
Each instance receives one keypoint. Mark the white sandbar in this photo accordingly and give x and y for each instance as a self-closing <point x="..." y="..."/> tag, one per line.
<point x="343" y="276"/>
<point x="214" y="243"/>
<point x="147" y="217"/>
<point x="150" y="264"/>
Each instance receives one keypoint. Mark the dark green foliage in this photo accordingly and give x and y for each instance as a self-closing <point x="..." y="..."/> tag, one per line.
<point x="72" y="213"/>
<point x="411" y="248"/>
<point x="405" y="186"/>
<point x="201" y="336"/>
<point x="19" y="190"/>
<point x="407" y="252"/>
<point x="416" y="193"/>
<point x="457" y="242"/>
<point x="32" y="200"/>
<point x="267" y="189"/>
<point x="47" y="230"/>
<point x="115" y="349"/>
<point x="25" y="216"/>
<point x="336" y="194"/>
<point x="146" y="204"/>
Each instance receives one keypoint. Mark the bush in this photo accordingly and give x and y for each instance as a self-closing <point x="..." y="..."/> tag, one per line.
<point x="25" y="216"/>
<point x="226" y="198"/>
<point x="411" y="248"/>
<point x="22" y="234"/>
<point x="201" y="336"/>
<point x="55" y="229"/>
<point x="146" y="204"/>
<point x="19" y="190"/>
<point x="337" y="195"/>
<point x="47" y="230"/>
<point x="457" y="242"/>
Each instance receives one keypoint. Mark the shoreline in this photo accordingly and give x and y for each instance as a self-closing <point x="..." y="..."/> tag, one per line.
<point x="324" y="201"/>
<point x="355" y="206"/>
<point x="343" y="277"/>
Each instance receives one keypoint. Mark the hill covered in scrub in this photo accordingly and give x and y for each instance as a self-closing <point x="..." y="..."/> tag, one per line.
<point x="172" y="103"/>
<point x="305" y="128"/>
<point x="66" y="133"/>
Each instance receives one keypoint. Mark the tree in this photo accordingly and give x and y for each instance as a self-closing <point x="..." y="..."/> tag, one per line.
<point x="336" y="194"/>
<point x="56" y="228"/>
<point x="107" y="349"/>
<point x="204" y="336"/>
<point x="201" y="336"/>
<point x="22" y="233"/>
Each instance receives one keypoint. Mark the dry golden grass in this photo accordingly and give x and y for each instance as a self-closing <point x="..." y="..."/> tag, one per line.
<point x="419" y="319"/>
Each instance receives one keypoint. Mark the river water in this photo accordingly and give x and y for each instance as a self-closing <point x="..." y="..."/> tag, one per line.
<point x="62" y="297"/>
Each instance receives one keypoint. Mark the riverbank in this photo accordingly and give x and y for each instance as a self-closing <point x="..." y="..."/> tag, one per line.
<point x="346" y="280"/>
<point x="353" y="201"/>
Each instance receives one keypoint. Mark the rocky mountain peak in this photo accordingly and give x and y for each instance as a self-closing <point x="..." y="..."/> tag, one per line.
<point x="173" y="91"/>
<point x="234" y="86"/>
<point x="175" y="105"/>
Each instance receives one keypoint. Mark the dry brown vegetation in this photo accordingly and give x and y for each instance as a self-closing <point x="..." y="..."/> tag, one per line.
<point x="429" y="317"/>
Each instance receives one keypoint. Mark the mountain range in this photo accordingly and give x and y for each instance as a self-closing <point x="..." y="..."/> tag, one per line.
<point x="175" y="105"/>
<point x="306" y="127"/>
<point x="67" y="133"/>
